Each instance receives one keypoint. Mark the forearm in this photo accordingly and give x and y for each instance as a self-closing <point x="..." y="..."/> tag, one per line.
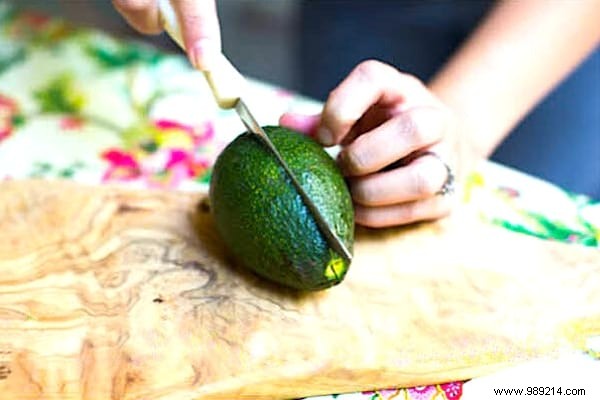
<point x="512" y="60"/>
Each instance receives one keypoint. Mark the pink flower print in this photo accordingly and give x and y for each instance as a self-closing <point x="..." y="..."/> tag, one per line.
<point x="204" y="133"/>
<point x="38" y="27"/>
<point x="167" y="168"/>
<point x="5" y="129"/>
<point x="176" y="157"/>
<point x="8" y="110"/>
<point x="122" y="166"/>
<point x="422" y="392"/>
<point x="166" y="179"/>
<point x="71" y="123"/>
<point x="190" y="150"/>
<point x="509" y="192"/>
<point x="175" y="170"/>
<point x="177" y="152"/>
<point x="7" y="103"/>
<point x="165" y="124"/>
<point x="452" y="390"/>
<point x="173" y="134"/>
<point x="174" y="138"/>
<point x="191" y="164"/>
<point x="29" y="23"/>
<point x="34" y="19"/>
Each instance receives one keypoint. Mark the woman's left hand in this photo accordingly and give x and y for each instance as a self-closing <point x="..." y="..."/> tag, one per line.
<point x="399" y="148"/>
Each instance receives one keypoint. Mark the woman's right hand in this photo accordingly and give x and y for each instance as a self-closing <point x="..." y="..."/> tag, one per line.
<point x="197" y="18"/>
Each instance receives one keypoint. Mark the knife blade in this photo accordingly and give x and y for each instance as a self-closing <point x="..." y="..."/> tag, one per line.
<point x="226" y="83"/>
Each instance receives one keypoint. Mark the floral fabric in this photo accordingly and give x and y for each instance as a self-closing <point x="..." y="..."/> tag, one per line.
<point x="78" y="104"/>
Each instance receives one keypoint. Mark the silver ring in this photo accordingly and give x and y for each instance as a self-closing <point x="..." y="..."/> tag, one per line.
<point x="448" y="186"/>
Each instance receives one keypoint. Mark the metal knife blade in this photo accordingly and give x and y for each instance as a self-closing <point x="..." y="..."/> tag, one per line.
<point x="252" y="126"/>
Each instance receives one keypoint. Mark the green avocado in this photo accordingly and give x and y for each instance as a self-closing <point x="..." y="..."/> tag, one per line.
<point x="262" y="218"/>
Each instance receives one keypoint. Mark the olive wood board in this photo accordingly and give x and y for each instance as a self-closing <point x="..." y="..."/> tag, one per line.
<point x="113" y="293"/>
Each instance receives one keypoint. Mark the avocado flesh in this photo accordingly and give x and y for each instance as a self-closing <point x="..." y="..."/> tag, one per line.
<point x="264" y="221"/>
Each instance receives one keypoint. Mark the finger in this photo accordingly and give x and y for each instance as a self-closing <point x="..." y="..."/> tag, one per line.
<point x="371" y="82"/>
<point x="306" y="124"/>
<point x="143" y="15"/>
<point x="372" y="118"/>
<point x="402" y="214"/>
<point x="396" y="138"/>
<point x="200" y="30"/>
<point x="420" y="179"/>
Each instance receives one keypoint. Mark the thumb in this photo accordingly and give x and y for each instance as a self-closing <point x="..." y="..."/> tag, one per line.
<point x="306" y="124"/>
<point x="141" y="14"/>
<point x="200" y="30"/>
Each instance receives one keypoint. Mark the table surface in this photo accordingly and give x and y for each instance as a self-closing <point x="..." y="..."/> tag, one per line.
<point x="81" y="105"/>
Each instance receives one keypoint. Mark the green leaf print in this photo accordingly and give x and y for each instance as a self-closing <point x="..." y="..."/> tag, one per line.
<point x="40" y="170"/>
<point x="118" y="55"/>
<point x="140" y="134"/>
<point x="7" y="12"/>
<point x="10" y="56"/>
<point x="18" y="120"/>
<point x="70" y="171"/>
<point x="45" y="170"/>
<point x="551" y="230"/>
<point x="61" y="95"/>
<point x="205" y="178"/>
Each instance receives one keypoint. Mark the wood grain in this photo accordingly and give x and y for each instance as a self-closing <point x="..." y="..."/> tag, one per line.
<point x="107" y="293"/>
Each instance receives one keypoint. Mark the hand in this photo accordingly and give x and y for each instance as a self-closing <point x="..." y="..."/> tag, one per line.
<point x="386" y="121"/>
<point x="198" y="21"/>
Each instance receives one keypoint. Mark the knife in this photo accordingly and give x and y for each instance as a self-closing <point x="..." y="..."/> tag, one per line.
<point x="227" y="84"/>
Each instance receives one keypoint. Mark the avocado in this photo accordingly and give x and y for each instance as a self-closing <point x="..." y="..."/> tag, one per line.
<point x="264" y="221"/>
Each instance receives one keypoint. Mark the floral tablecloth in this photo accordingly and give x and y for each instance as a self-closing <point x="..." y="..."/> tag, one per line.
<point x="78" y="104"/>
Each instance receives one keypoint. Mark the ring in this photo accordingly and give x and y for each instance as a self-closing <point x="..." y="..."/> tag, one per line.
<point x="448" y="186"/>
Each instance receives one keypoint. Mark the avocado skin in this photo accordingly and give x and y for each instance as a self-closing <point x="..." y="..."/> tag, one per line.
<point x="262" y="218"/>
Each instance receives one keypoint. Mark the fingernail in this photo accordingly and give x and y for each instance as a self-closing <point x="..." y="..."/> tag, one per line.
<point x="325" y="136"/>
<point x="203" y="54"/>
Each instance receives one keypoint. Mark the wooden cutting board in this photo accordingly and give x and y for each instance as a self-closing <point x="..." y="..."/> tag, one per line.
<point x="107" y="293"/>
